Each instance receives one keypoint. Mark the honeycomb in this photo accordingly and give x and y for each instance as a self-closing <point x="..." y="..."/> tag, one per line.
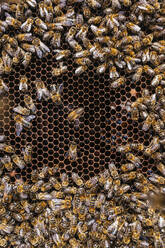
<point x="104" y="126"/>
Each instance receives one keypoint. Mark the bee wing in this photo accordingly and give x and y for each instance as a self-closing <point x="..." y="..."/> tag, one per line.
<point x="30" y="118"/>
<point x="76" y="124"/>
<point x="19" y="128"/>
<point x="44" y="48"/>
<point x="2" y="138"/>
<point x="53" y="88"/>
<point x="32" y="3"/>
<point x="39" y="94"/>
<point x="23" y="86"/>
<point x="5" y="87"/>
<point x="39" y="52"/>
<point x="60" y="88"/>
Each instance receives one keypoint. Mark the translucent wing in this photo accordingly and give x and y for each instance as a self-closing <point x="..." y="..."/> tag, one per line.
<point x="19" y="128"/>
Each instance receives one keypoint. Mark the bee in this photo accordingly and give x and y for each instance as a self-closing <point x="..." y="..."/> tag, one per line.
<point x="82" y="54"/>
<point x="72" y="153"/>
<point x="156" y="80"/>
<point x="133" y="159"/>
<point x="7" y="61"/>
<point x="126" y="148"/>
<point x="75" y="45"/>
<point x="26" y="37"/>
<point x="18" y="161"/>
<point x="113" y="170"/>
<point x="55" y="93"/>
<point x="147" y="123"/>
<point x="7" y="228"/>
<point x="157" y="179"/>
<point x="127" y="167"/>
<point x="113" y="73"/>
<point x="95" y="20"/>
<point x="83" y="61"/>
<point x="2" y="138"/>
<point x="135" y="113"/>
<point x="40" y="47"/>
<point x="26" y="59"/>
<point x="147" y="40"/>
<point x="133" y="27"/>
<point x="75" y="115"/>
<point x="47" y="36"/>
<point x="158" y="242"/>
<point x="3" y="242"/>
<point x="92" y="182"/>
<point x="22" y="121"/>
<point x="56" y="39"/>
<point x="6" y="162"/>
<point x="42" y="91"/>
<point x="77" y="180"/>
<point x="71" y="33"/>
<point x="27" y="25"/>
<point x="12" y="22"/>
<point x="138" y="73"/>
<point x="86" y="11"/>
<point x="82" y="32"/>
<point x="161" y="168"/>
<point x="29" y="103"/>
<point x="3" y="87"/>
<point x="40" y="23"/>
<point x="129" y="176"/>
<point x="6" y="148"/>
<point x="31" y="3"/>
<point x="23" y="84"/>
<point x="153" y="147"/>
<point x="60" y="54"/>
<point x="27" y="153"/>
<point x="65" y="180"/>
<point x="98" y="31"/>
<point x="28" y="47"/>
<point x="58" y="71"/>
<point x="81" y="69"/>
<point x="22" y="111"/>
<point x="137" y="146"/>
<point x="120" y="81"/>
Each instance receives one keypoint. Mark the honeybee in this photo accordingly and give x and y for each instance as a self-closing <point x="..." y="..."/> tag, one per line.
<point x="27" y="153"/>
<point x="161" y="168"/>
<point x="27" y="25"/>
<point x="64" y="180"/>
<point x="6" y="228"/>
<point x="56" y="39"/>
<point x="72" y="153"/>
<point x="55" y="93"/>
<point x="32" y="3"/>
<point x="60" y="54"/>
<point x="7" y="61"/>
<point x="158" y="242"/>
<point x="29" y="103"/>
<point x="133" y="27"/>
<point x="40" y="23"/>
<point x="3" y="242"/>
<point x="13" y="22"/>
<point x="137" y="146"/>
<point x="6" y="148"/>
<point x="81" y="69"/>
<point x="18" y="161"/>
<point x="25" y="37"/>
<point x="75" y="45"/>
<point x="22" y="121"/>
<point x="138" y="73"/>
<point x="71" y="33"/>
<point x="147" y="123"/>
<point x="3" y="87"/>
<point x="28" y="47"/>
<point x="92" y="182"/>
<point x="157" y="179"/>
<point x="113" y="73"/>
<point x="129" y="176"/>
<point x="47" y="36"/>
<point x="113" y="170"/>
<point x="83" y="61"/>
<point x="82" y="32"/>
<point x="86" y="11"/>
<point x="133" y="159"/>
<point x="156" y="80"/>
<point x="127" y="167"/>
<point x="26" y="59"/>
<point x="40" y="47"/>
<point x="75" y="115"/>
<point x="153" y="147"/>
<point x="125" y="148"/>
<point x="135" y="113"/>
<point x="6" y="161"/>
<point x="95" y="20"/>
<point x="23" y="84"/>
<point x="98" y="31"/>
<point x="120" y="81"/>
<point x="77" y="180"/>
<point x="20" y="110"/>
<point x="58" y="71"/>
<point x="42" y="91"/>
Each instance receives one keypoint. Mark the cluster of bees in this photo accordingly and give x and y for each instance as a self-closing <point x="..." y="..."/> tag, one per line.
<point x="114" y="209"/>
<point x="118" y="208"/>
